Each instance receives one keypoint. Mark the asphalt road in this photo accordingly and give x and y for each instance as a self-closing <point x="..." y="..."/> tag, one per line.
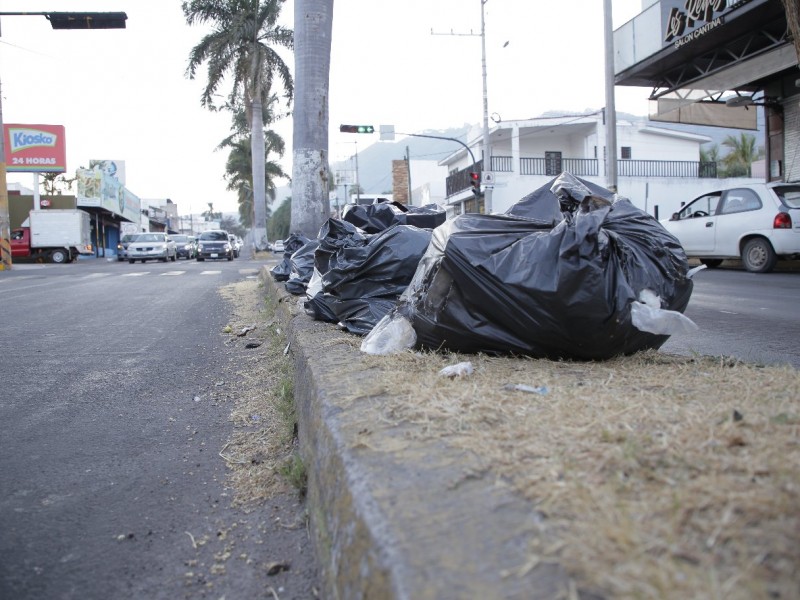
<point x="750" y="316"/>
<point x="114" y="408"/>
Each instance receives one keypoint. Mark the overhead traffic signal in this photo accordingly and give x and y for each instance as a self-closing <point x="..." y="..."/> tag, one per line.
<point x="356" y="129"/>
<point x="475" y="182"/>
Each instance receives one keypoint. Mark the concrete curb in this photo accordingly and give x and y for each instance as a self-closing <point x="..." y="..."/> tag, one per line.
<point x="393" y="517"/>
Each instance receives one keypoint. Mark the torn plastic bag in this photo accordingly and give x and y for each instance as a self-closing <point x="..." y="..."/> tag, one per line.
<point x="292" y="244"/>
<point x="505" y="284"/>
<point x="374" y="218"/>
<point x="317" y="304"/>
<point x="366" y="281"/>
<point x="301" y="268"/>
<point x="550" y="205"/>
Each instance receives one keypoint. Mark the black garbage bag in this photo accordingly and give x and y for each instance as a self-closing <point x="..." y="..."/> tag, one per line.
<point x="374" y="218"/>
<point x="292" y="244"/>
<point x="301" y="268"/>
<point x="335" y="235"/>
<point x="364" y="282"/>
<point x="511" y="284"/>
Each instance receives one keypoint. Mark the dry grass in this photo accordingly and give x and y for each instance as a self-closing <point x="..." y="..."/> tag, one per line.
<point x="665" y="476"/>
<point x="263" y="443"/>
<point x="662" y="476"/>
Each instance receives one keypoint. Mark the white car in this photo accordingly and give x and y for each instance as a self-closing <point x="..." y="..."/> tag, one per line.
<point x="152" y="246"/>
<point x="757" y="223"/>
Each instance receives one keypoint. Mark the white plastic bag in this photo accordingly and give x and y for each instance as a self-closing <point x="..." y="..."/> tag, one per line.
<point x="647" y="315"/>
<point x="391" y="335"/>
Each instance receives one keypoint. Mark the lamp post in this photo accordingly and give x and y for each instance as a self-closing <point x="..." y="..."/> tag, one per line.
<point x="58" y="20"/>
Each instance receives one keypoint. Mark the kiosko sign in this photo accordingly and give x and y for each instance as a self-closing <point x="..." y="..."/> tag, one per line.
<point x="35" y="148"/>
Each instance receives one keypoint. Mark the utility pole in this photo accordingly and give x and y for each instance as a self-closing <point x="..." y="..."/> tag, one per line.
<point x="487" y="149"/>
<point x="487" y="159"/>
<point x="610" y="112"/>
<point x="358" y="183"/>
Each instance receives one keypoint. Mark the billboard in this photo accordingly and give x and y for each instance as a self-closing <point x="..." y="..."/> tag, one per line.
<point x="35" y="148"/>
<point x="96" y="188"/>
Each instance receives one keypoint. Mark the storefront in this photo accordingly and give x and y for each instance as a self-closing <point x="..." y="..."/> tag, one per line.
<point x="110" y="203"/>
<point x="717" y="62"/>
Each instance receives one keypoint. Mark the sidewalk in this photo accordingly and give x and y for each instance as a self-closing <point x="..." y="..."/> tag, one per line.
<point x="394" y="517"/>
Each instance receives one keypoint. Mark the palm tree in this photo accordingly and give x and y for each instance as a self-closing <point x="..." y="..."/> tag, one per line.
<point x="239" y="173"/>
<point x="742" y="153"/>
<point x="313" y="21"/>
<point x="243" y="45"/>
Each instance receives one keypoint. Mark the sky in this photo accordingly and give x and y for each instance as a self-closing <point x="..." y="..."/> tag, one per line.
<point x="123" y="94"/>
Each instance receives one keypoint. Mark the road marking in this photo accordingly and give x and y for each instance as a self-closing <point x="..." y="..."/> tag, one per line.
<point x="93" y="275"/>
<point x="136" y="274"/>
<point x="729" y="312"/>
<point x="210" y="272"/>
<point x="173" y="273"/>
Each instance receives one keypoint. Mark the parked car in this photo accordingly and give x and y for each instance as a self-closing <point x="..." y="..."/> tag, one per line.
<point x="757" y="223"/>
<point x="214" y="244"/>
<point x="278" y="246"/>
<point x="186" y="246"/>
<point x="122" y="245"/>
<point x="234" y="245"/>
<point x="152" y="246"/>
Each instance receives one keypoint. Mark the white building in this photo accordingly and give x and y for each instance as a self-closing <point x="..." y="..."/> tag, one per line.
<point x="657" y="168"/>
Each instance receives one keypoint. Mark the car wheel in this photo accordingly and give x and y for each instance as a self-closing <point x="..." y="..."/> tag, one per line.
<point x="200" y="259"/>
<point x="131" y="261"/>
<point x="711" y="263"/>
<point x="59" y="256"/>
<point x="758" y="256"/>
<point x="174" y="257"/>
<point x="144" y="260"/>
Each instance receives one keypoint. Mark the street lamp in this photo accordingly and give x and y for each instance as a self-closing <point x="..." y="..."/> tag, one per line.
<point x="58" y="20"/>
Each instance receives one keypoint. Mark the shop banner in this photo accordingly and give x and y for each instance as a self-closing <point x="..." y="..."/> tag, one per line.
<point x="35" y="148"/>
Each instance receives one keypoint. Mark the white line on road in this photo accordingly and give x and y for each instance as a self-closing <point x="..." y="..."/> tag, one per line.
<point x="173" y="273"/>
<point x="136" y="274"/>
<point x="95" y="275"/>
<point x="729" y="312"/>
<point x="210" y="272"/>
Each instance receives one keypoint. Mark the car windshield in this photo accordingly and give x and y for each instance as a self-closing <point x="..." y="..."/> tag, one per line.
<point x="789" y="195"/>
<point x="214" y="236"/>
<point x="180" y="239"/>
<point x="129" y="237"/>
<point x="150" y="237"/>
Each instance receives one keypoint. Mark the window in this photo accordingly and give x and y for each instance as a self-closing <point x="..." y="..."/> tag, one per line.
<point x="740" y="200"/>
<point x="701" y="207"/>
<point x="626" y="152"/>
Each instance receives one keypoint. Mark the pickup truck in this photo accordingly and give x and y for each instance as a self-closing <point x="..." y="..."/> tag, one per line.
<point x="53" y="235"/>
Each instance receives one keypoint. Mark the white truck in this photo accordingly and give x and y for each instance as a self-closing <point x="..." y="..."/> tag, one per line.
<point x="57" y="235"/>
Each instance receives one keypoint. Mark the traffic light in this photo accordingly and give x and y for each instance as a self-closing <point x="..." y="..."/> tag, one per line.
<point x="356" y="129"/>
<point x="475" y="182"/>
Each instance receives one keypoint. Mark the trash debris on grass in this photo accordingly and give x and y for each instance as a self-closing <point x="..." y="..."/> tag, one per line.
<point x="461" y="369"/>
<point x="541" y="390"/>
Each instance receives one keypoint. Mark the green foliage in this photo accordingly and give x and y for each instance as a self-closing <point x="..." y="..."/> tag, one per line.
<point x="210" y="214"/>
<point x="742" y="152"/>
<point x="55" y="183"/>
<point x="278" y="225"/>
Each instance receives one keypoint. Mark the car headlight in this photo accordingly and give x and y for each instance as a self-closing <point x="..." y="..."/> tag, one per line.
<point x="227" y="246"/>
<point x="199" y="247"/>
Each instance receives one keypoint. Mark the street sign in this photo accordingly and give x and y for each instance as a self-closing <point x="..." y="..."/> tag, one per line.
<point x="488" y="177"/>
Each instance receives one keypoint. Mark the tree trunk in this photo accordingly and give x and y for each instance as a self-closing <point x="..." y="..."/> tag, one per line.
<point x="313" y="22"/>
<point x="259" y="193"/>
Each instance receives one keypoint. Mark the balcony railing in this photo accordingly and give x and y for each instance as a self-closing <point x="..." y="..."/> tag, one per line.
<point x="460" y="180"/>
<point x="585" y="167"/>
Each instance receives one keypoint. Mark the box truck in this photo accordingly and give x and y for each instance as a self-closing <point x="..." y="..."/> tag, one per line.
<point x="55" y="235"/>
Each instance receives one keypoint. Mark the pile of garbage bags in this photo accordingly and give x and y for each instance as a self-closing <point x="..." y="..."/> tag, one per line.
<point x="569" y="272"/>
